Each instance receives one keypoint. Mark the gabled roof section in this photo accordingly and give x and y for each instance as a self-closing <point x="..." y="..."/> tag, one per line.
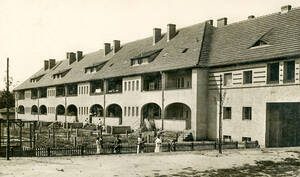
<point x="169" y="57"/>
<point x="232" y="43"/>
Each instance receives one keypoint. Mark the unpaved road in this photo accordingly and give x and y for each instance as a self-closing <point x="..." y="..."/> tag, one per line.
<point x="280" y="161"/>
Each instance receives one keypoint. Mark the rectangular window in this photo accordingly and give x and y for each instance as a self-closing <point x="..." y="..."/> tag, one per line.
<point x="128" y="111"/>
<point x="247" y="77"/>
<point x="137" y="85"/>
<point x="137" y="111"/>
<point x="247" y="113"/>
<point x="227" y="79"/>
<point x="289" y="71"/>
<point x="132" y="111"/>
<point x="226" y="138"/>
<point x="125" y="86"/>
<point x="125" y="109"/>
<point x="182" y="83"/>
<point x="273" y="73"/>
<point x="132" y="85"/>
<point x="129" y="85"/>
<point x="226" y="112"/>
<point x="247" y="139"/>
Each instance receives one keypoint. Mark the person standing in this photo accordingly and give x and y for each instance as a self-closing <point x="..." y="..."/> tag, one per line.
<point x="118" y="145"/>
<point x="98" y="145"/>
<point x="140" y="144"/>
<point x="158" y="143"/>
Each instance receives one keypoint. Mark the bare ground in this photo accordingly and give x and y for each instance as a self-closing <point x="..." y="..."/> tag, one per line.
<point x="250" y="162"/>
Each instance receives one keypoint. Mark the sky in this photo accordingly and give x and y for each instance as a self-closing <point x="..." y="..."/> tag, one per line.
<point x="32" y="31"/>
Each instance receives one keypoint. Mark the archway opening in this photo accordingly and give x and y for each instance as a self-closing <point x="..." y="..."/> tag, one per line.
<point x="21" y="109"/>
<point x="60" y="110"/>
<point x="150" y="113"/>
<point x="34" y="110"/>
<point x="72" y="110"/>
<point x="114" y="111"/>
<point x="179" y="111"/>
<point x="96" y="110"/>
<point x="43" y="110"/>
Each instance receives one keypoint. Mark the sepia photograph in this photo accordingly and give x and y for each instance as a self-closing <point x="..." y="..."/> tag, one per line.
<point x="160" y="88"/>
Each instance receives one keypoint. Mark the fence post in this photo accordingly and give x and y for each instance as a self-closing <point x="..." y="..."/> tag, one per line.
<point x="30" y="135"/>
<point x="169" y="147"/>
<point x="75" y="141"/>
<point x="48" y="151"/>
<point x="53" y="137"/>
<point x="236" y="145"/>
<point x="33" y="135"/>
<point x="215" y="145"/>
<point x="192" y="146"/>
<point x="82" y="150"/>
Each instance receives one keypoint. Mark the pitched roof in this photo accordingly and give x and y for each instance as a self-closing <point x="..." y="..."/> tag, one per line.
<point x="119" y="64"/>
<point x="232" y="44"/>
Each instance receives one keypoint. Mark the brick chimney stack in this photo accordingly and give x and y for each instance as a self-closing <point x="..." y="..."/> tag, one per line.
<point x="222" y="22"/>
<point x="156" y="35"/>
<point x="171" y="31"/>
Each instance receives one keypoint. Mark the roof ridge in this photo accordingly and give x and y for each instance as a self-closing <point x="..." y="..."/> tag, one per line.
<point x="256" y="18"/>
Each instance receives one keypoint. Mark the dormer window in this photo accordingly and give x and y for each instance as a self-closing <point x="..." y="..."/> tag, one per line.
<point x="36" y="78"/>
<point x="60" y="74"/>
<point x="263" y="40"/>
<point x="94" y="67"/>
<point x="145" y="57"/>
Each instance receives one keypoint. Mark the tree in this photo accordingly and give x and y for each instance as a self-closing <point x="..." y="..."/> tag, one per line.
<point x="3" y="99"/>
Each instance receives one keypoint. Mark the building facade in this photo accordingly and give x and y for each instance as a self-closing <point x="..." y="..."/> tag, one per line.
<point x="173" y="80"/>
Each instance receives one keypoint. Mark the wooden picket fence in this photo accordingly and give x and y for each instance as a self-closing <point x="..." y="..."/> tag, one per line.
<point x="108" y="148"/>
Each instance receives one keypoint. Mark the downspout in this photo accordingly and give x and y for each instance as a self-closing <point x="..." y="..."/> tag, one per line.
<point x="162" y="99"/>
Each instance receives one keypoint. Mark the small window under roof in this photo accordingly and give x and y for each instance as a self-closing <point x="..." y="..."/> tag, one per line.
<point x="145" y="57"/>
<point x="185" y="50"/>
<point x="263" y="40"/>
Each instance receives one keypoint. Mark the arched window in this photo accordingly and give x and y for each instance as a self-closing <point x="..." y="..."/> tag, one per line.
<point x="179" y="111"/>
<point x="114" y="110"/>
<point x="72" y="110"/>
<point x="60" y="110"/>
<point x="96" y="110"/>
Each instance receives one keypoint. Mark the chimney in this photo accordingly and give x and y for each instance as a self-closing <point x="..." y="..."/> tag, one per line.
<point x="107" y="48"/>
<point x="51" y="63"/>
<point x="286" y="9"/>
<point x="117" y="46"/>
<point x="71" y="56"/>
<point x="251" y="17"/>
<point x="171" y="31"/>
<point x="211" y="22"/>
<point x="156" y="35"/>
<point x="79" y="55"/>
<point x="46" y="65"/>
<point x="222" y="22"/>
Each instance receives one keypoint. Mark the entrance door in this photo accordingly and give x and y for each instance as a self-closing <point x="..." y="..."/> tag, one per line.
<point x="283" y="124"/>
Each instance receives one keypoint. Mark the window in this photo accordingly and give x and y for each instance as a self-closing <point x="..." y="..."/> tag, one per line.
<point x="132" y="85"/>
<point x="228" y="79"/>
<point x="128" y="111"/>
<point x="273" y="73"/>
<point x="137" y="85"/>
<point x="125" y="111"/>
<point x="247" y="111"/>
<point x="289" y="71"/>
<point x="129" y="85"/>
<point x="226" y="138"/>
<point x="226" y="112"/>
<point x="247" y="77"/>
<point x="125" y="86"/>
<point x="137" y="111"/>
<point x="132" y="111"/>
<point x="247" y="139"/>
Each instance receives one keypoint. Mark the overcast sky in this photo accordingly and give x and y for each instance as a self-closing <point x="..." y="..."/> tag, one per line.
<point x="32" y="31"/>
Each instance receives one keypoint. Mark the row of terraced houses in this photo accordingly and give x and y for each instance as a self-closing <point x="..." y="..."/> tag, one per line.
<point x="173" y="79"/>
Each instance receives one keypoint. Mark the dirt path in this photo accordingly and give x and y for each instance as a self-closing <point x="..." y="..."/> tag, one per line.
<point x="204" y="163"/>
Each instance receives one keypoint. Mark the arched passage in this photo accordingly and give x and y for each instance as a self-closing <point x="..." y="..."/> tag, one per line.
<point x="43" y="110"/>
<point x="114" y="110"/>
<point x="21" y="109"/>
<point x="179" y="111"/>
<point x="150" y="113"/>
<point x="96" y="110"/>
<point x="60" y="110"/>
<point x="34" y="109"/>
<point x="72" y="110"/>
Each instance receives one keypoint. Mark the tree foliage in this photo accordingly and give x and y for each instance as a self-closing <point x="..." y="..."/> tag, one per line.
<point x="4" y="101"/>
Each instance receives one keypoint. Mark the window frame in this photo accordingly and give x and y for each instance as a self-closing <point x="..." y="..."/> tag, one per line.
<point x="224" y="79"/>
<point x="269" y="81"/>
<point x="227" y="116"/>
<point x="246" y="116"/>
<point x="285" y="71"/>
<point x="247" y="75"/>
